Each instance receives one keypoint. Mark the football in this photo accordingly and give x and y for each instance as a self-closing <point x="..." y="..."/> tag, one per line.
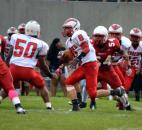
<point x="67" y="56"/>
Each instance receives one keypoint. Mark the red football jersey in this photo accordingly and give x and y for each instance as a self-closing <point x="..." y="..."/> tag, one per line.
<point x="111" y="46"/>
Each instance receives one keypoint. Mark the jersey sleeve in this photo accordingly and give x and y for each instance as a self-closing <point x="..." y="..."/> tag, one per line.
<point x="12" y="40"/>
<point x="80" y="37"/>
<point x="44" y="49"/>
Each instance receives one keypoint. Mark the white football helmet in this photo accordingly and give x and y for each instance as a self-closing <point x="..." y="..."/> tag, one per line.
<point x="12" y="30"/>
<point x="73" y="23"/>
<point x="100" y="30"/>
<point x="32" y="28"/>
<point x="115" y="28"/>
<point x="136" y="32"/>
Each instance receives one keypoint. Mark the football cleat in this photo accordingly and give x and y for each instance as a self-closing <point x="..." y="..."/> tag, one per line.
<point x="83" y="105"/>
<point x="129" y="108"/>
<point x="118" y="92"/>
<point x="49" y="108"/>
<point x="70" y="103"/>
<point x="93" y="105"/>
<point x="75" y="108"/>
<point x="20" y="110"/>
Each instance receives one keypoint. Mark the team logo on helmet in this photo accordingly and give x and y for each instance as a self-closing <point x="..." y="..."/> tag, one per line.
<point x="136" y="30"/>
<point x="115" y="26"/>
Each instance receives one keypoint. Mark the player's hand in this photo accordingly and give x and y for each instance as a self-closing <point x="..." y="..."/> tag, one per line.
<point x="60" y="54"/>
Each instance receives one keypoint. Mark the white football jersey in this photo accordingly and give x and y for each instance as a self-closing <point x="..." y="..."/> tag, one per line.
<point x="125" y="43"/>
<point x="26" y="49"/>
<point x="74" y="43"/>
<point x="135" y="56"/>
<point x="124" y="46"/>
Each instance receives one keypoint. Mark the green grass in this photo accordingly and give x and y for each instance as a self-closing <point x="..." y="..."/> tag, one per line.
<point x="105" y="117"/>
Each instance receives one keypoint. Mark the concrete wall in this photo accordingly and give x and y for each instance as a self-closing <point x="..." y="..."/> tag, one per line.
<point x="51" y="15"/>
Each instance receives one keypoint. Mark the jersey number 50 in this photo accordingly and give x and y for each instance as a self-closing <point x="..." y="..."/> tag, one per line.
<point x="27" y="52"/>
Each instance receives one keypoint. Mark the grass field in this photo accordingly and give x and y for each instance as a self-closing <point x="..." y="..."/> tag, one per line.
<point x="105" y="117"/>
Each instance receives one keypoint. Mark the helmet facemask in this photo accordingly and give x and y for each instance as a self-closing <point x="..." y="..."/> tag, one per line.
<point x="70" y="26"/>
<point x="135" y="36"/>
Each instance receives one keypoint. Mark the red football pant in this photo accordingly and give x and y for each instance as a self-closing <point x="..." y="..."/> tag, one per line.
<point x="129" y="79"/>
<point x="110" y="77"/>
<point x="30" y="75"/>
<point x="6" y="81"/>
<point x="88" y="71"/>
<point x="120" y="74"/>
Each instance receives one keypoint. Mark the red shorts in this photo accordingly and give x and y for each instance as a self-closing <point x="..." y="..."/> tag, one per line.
<point x="88" y="71"/>
<point x="30" y="75"/>
<point x="111" y="77"/>
<point x="6" y="81"/>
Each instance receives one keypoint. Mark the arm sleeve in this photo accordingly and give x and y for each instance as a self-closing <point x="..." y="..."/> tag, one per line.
<point x="44" y="49"/>
<point x="12" y="41"/>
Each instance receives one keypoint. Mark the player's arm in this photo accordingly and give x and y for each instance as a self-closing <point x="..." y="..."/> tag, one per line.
<point x="3" y="45"/>
<point x="85" y="49"/>
<point x="44" y="66"/>
<point x="84" y="46"/>
<point x="10" y="52"/>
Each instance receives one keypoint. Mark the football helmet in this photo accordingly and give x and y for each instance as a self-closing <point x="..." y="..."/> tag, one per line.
<point x="32" y="28"/>
<point x="21" y="28"/>
<point x="136" y="32"/>
<point x="100" y="30"/>
<point x="70" y="26"/>
<point x="12" y="30"/>
<point x="115" y="28"/>
<point x="100" y="34"/>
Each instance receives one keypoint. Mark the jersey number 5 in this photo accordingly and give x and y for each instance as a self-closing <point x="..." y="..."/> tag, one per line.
<point x="28" y="51"/>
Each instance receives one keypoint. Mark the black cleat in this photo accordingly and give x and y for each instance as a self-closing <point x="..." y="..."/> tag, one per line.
<point x="49" y="108"/>
<point x="75" y="108"/>
<point x="83" y="105"/>
<point x="93" y="105"/>
<point x="128" y="108"/>
<point x="118" y="92"/>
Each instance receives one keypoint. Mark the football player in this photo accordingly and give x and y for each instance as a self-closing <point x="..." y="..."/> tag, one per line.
<point x="25" y="51"/>
<point x="135" y="56"/>
<point x="121" y="64"/>
<point x="6" y="82"/>
<point x="79" y="44"/>
<point x="105" y="47"/>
